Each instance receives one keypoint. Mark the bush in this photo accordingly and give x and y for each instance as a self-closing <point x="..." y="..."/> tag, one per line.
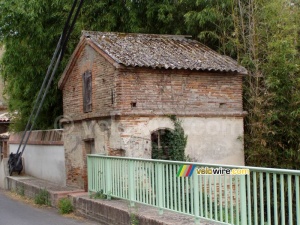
<point x="65" y="206"/>
<point x="21" y="190"/>
<point x="42" y="198"/>
<point x="98" y="195"/>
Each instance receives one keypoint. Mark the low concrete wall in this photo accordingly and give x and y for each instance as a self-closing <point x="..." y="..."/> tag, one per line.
<point x="106" y="212"/>
<point x="3" y="173"/>
<point x="44" y="156"/>
<point x="31" y="187"/>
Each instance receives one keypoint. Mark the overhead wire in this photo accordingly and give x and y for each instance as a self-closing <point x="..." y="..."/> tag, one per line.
<point x="55" y="62"/>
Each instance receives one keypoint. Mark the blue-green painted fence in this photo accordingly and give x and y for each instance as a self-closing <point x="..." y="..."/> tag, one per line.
<point x="265" y="196"/>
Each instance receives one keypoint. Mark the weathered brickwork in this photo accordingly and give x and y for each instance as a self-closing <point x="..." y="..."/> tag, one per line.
<point x="103" y="74"/>
<point x="168" y="91"/>
<point x="148" y="91"/>
<point x="128" y="104"/>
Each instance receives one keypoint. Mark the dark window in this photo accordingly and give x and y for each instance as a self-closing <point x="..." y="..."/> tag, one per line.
<point x="90" y="146"/>
<point x="160" y="144"/>
<point x="87" y="91"/>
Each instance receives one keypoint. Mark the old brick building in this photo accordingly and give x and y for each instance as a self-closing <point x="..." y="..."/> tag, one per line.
<point x="119" y="89"/>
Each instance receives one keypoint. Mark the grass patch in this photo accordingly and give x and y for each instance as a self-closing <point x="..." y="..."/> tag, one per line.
<point x="133" y="219"/>
<point x="21" y="190"/>
<point x="65" y="206"/>
<point x="42" y="198"/>
<point x="98" y="195"/>
<point x="133" y="215"/>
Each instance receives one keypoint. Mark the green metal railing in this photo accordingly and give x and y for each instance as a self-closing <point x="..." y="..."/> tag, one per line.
<point x="265" y="196"/>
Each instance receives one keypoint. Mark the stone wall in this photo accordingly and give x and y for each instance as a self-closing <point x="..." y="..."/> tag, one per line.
<point x="3" y="173"/>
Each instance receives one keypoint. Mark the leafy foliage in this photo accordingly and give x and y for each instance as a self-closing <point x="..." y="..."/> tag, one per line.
<point x="177" y="142"/>
<point x="212" y="23"/>
<point x="98" y="195"/>
<point x="272" y="89"/>
<point x="65" y="206"/>
<point x="172" y="143"/>
<point x="21" y="190"/>
<point x="29" y="31"/>
<point x="42" y="198"/>
<point x="149" y="16"/>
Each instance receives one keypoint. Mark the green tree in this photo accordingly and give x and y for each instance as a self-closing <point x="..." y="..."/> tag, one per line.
<point x="212" y="22"/>
<point x="29" y="32"/>
<point x="143" y="16"/>
<point x="268" y="35"/>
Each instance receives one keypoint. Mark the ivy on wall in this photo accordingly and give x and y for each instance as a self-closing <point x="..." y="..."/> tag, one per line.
<point x="170" y="145"/>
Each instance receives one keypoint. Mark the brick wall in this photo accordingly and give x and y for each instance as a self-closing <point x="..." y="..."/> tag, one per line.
<point x="178" y="92"/>
<point x="102" y="86"/>
<point x="39" y="137"/>
<point x="143" y="91"/>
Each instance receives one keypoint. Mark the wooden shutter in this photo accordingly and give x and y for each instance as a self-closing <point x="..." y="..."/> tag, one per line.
<point x="87" y="91"/>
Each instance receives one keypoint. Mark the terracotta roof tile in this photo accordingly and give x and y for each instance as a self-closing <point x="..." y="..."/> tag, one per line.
<point x="162" y="51"/>
<point x="4" y="117"/>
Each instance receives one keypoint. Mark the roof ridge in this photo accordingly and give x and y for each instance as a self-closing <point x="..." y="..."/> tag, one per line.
<point x="143" y="35"/>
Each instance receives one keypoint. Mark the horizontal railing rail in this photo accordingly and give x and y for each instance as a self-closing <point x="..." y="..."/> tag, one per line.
<point x="264" y="196"/>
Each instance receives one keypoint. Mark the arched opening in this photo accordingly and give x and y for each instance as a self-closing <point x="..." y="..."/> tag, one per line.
<point x="160" y="142"/>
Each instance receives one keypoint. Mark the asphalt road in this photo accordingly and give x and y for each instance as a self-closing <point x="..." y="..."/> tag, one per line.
<point x="14" y="212"/>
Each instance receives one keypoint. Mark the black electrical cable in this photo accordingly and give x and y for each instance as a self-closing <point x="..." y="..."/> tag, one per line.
<point x="55" y="61"/>
<point x="65" y="40"/>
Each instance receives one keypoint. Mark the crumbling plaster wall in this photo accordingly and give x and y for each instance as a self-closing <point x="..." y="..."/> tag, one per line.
<point x="210" y="140"/>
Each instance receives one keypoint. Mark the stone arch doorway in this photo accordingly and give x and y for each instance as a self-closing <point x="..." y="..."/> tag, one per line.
<point x="160" y="140"/>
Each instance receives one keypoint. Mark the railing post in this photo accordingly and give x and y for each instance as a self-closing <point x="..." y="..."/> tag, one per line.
<point x="89" y="170"/>
<point x="243" y="200"/>
<point x="131" y="185"/>
<point x="196" y="198"/>
<point x="159" y="191"/>
<point x="108" y="178"/>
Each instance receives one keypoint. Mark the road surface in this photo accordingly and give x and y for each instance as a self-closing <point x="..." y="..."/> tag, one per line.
<point x="14" y="212"/>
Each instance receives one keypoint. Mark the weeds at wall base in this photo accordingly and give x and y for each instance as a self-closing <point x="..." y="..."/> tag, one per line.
<point x="21" y="190"/>
<point x="65" y="206"/>
<point x="98" y="195"/>
<point x="42" y="198"/>
<point x="133" y="215"/>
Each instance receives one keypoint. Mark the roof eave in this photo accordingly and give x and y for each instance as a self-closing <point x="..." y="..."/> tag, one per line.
<point x="71" y="63"/>
<point x="84" y="40"/>
<point x="112" y="61"/>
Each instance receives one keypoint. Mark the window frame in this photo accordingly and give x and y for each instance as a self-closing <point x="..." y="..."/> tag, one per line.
<point x="87" y="91"/>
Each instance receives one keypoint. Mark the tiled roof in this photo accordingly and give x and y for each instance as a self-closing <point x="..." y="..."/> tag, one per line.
<point x="162" y="51"/>
<point x="4" y="117"/>
<point x="5" y="135"/>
